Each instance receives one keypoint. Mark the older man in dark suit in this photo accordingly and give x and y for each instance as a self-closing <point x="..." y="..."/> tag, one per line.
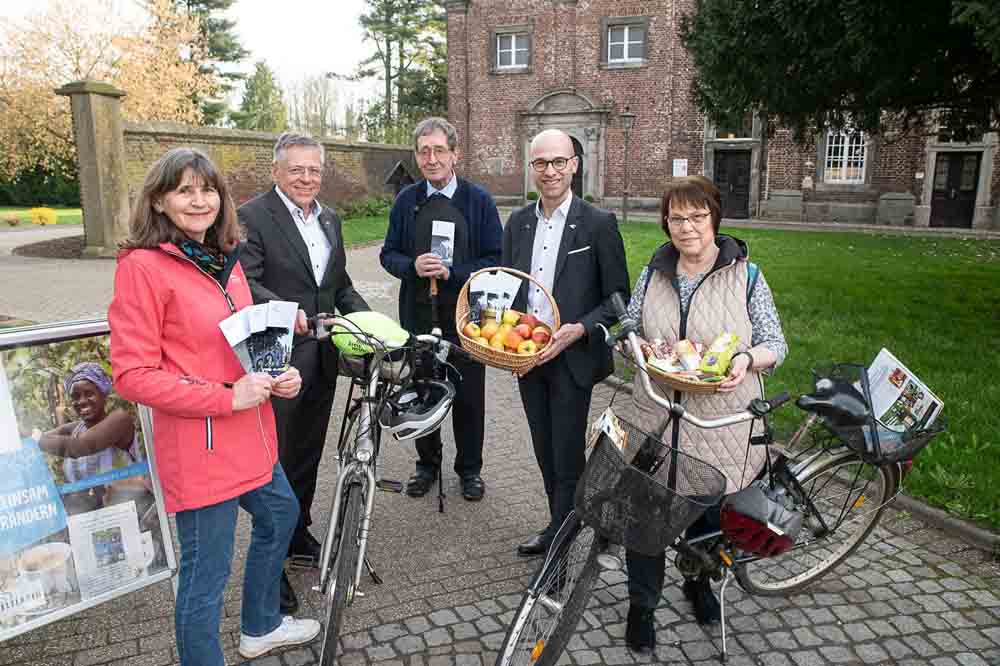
<point x="577" y="253"/>
<point x="295" y="252"/>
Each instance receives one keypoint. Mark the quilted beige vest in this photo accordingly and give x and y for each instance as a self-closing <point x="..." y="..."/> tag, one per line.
<point x="718" y="304"/>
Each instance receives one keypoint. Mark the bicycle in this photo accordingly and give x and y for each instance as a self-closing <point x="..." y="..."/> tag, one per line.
<point x="831" y="479"/>
<point x="387" y="369"/>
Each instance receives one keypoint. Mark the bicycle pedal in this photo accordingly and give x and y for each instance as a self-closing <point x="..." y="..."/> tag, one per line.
<point x="300" y="562"/>
<point x="389" y="486"/>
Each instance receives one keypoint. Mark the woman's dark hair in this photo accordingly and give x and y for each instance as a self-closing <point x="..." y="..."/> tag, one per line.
<point x="148" y="228"/>
<point x="694" y="192"/>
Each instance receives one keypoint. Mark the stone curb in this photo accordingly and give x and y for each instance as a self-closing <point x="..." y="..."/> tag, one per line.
<point x="971" y="533"/>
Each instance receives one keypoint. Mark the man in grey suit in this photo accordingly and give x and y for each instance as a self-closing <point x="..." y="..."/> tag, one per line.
<point x="295" y="252"/>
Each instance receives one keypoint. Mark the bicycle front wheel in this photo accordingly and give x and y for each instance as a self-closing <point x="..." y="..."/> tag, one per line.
<point x="555" y="601"/>
<point x="341" y="590"/>
<point x="850" y="496"/>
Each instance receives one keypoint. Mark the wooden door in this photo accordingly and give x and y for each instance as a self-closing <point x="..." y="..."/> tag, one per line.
<point x="732" y="177"/>
<point x="953" y="200"/>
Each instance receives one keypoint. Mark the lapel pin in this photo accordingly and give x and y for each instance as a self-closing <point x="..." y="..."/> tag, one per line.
<point x="572" y="226"/>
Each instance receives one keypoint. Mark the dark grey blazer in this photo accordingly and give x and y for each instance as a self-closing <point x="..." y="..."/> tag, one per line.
<point x="276" y="263"/>
<point x="590" y="268"/>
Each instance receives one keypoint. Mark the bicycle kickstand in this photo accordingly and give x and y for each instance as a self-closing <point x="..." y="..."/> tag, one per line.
<point x="440" y="490"/>
<point x="376" y="579"/>
<point x="722" y="609"/>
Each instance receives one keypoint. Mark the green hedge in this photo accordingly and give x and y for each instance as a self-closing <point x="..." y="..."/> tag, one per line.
<point x="39" y="186"/>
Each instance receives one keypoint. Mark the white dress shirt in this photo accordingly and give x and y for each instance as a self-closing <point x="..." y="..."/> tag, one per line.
<point x="317" y="243"/>
<point x="544" y="253"/>
<point x="448" y="190"/>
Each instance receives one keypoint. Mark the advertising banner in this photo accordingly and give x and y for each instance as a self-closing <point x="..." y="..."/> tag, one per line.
<point x="81" y="514"/>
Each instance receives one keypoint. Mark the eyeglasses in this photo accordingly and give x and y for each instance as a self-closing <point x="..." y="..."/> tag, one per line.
<point x="558" y="163"/>
<point x="438" y="151"/>
<point x="298" y="172"/>
<point x="696" y="219"/>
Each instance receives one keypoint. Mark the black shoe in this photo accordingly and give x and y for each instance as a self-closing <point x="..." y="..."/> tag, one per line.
<point x="536" y="545"/>
<point x="473" y="488"/>
<point x="420" y="483"/>
<point x="706" y="606"/>
<point x="640" y="632"/>
<point x="289" y="602"/>
<point x="304" y="546"/>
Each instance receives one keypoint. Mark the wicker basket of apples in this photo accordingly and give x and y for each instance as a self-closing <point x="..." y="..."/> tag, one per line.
<point x="508" y="340"/>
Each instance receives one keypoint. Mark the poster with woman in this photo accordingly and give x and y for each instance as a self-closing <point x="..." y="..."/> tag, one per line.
<point x="81" y="519"/>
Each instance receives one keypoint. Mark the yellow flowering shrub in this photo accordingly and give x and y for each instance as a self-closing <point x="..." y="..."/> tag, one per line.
<point x="43" y="216"/>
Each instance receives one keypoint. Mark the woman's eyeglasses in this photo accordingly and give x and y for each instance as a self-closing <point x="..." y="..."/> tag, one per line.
<point x="696" y="219"/>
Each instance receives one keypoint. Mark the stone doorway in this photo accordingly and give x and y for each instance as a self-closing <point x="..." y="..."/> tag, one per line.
<point x="953" y="193"/>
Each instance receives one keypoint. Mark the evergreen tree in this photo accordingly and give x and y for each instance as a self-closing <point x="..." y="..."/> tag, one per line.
<point x="263" y="108"/>
<point x="222" y="48"/>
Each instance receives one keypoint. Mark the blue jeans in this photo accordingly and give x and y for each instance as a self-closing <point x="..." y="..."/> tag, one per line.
<point x="206" y="537"/>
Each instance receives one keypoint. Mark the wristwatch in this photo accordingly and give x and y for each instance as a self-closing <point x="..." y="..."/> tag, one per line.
<point x="749" y="358"/>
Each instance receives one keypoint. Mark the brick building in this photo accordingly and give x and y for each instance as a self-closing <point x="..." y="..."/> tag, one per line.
<point x="516" y="67"/>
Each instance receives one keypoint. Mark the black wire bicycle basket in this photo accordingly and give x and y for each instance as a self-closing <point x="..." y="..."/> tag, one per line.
<point x="644" y="511"/>
<point x="877" y="443"/>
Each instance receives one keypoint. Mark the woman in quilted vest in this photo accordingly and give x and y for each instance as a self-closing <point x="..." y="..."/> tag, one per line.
<point x="696" y="286"/>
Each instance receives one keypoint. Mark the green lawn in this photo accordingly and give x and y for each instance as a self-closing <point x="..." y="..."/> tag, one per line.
<point x="933" y="302"/>
<point x="359" y="230"/>
<point x="64" y="215"/>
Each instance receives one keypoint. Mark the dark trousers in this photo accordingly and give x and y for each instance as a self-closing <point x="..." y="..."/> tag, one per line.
<point x="302" y="423"/>
<point x="468" y="415"/>
<point x="646" y="574"/>
<point x="557" y="409"/>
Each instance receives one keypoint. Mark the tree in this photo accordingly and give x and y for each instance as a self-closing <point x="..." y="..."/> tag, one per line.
<point x="262" y="108"/>
<point x="410" y="58"/>
<point x="312" y="106"/>
<point x="866" y="65"/>
<point x="221" y="47"/>
<point x="48" y="50"/>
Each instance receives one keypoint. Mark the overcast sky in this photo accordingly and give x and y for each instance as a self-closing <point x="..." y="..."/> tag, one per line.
<point x="295" y="37"/>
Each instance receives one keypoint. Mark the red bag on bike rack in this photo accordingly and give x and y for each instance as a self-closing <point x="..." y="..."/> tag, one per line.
<point x="760" y="520"/>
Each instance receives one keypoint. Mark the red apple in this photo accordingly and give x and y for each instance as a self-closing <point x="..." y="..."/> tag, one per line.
<point x="512" y="340"/>
<point x="541" y="335"/>
<point x="530" y="320"/>
<point x="523" y="330"/>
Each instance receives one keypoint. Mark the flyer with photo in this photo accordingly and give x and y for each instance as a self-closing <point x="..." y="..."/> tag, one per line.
<point x="443" y="241"/>
<point x="494" y="292"/>
<point x="900" y="400"/>
<point x="261" y="335"/>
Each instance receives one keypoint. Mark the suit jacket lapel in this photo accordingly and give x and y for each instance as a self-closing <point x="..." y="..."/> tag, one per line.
<point x="568" y="237"/>
<point x="526" y="244"/>
<point x="286" y="225"/>
<point x="326" y="223"/>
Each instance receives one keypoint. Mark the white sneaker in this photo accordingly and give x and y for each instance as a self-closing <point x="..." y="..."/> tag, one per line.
<point x="289" y="632"/>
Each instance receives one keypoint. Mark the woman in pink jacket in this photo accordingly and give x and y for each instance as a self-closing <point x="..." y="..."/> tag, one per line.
<point x="178" y="276"/>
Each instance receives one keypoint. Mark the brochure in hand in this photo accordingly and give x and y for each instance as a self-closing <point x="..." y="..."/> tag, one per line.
<point x="443" y="241"/>
<point x="261" y="335"/>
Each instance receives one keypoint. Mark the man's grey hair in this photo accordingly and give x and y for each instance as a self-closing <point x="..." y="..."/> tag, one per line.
<point x="435" y="124"/>
<point x="289" y="139"/>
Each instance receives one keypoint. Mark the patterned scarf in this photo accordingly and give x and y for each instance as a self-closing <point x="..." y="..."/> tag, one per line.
<point x="209" y="260"/>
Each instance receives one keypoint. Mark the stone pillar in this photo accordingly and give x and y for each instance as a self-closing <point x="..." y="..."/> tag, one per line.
<point x="100" y="156"/>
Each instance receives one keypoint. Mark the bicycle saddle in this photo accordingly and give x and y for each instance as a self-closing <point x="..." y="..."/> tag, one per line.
<point x="837" y="401"/>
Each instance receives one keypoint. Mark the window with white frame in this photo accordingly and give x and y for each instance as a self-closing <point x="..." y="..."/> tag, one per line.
<point x="844" y="162"/>
<point x="513" y="50"/>
<point x="626" y="43"/>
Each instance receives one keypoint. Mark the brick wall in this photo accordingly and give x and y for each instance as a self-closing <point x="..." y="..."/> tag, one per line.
<point x="352" y="171"/>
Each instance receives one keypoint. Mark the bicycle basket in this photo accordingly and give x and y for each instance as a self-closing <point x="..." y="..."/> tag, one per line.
<point x="874" y="441"/>
<point x="645" y="512"/>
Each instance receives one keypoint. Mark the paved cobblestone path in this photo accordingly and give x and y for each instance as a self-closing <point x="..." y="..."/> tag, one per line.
<point x="911" y="596"/>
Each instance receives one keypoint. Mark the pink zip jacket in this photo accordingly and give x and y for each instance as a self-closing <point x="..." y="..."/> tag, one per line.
<point x="168" y="352"/>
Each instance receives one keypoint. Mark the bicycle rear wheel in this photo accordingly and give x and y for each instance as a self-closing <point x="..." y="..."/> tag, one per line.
<point x="341" y="590"/>
<point x="850" y="495"/>
<point x="555" y="600"/>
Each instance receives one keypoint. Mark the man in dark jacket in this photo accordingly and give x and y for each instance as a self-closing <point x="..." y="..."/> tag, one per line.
<point x="577" y="253"/>
<point x="295" y="252"/>
<point x="476" y="244"/>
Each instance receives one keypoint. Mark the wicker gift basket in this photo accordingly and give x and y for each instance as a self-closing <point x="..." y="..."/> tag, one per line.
<point x="682" y="382"/>
<point x="498" y="358"/>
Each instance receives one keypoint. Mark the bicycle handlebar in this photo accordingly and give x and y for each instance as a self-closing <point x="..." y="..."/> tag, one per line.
<point x="627" y="333"/>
